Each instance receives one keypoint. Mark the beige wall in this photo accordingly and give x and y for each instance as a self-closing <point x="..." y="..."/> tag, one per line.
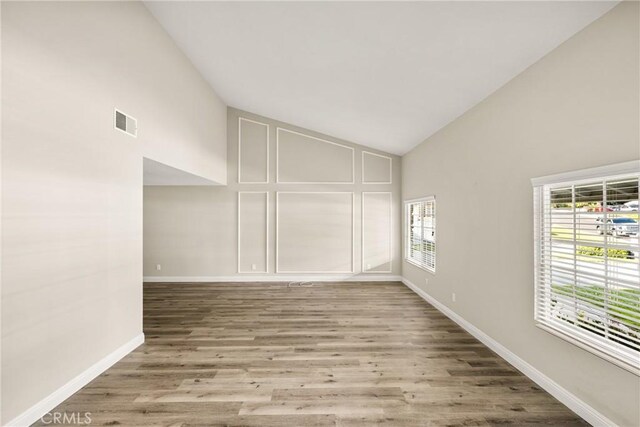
<point x="192" y="232"/>
<point x="72" y="199"/>
<point x="72" y="185"/>
<point x="576" y="108"/>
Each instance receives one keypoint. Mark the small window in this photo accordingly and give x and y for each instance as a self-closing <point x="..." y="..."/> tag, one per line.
<point x="587" y="261"/>
<point x="420" y="233"/>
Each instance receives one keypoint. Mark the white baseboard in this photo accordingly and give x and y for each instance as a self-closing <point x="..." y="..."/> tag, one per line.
<point x="38" y="410"/>
<point x="251" y="278"/>
<point x="578" y="406"/>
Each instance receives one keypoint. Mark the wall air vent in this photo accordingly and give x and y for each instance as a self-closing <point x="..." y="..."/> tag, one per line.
<point x="125" y="123"/>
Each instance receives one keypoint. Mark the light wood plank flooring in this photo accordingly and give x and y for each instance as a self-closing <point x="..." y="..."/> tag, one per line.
<point x="333" y="354"/>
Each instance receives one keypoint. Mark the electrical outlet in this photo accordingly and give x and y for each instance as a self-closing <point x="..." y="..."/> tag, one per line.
<point x="426" y="280"/>
<point x="453" y="297"/>
<point x="368" y="266"/>
<point x="158" y="267"/>
<point x="253" y="267"/>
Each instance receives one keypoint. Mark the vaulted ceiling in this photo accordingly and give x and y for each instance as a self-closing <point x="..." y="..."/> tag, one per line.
<point x="382" y="74"/>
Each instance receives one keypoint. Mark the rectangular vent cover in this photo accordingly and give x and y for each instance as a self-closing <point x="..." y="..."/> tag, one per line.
<point x="125" y="123"/>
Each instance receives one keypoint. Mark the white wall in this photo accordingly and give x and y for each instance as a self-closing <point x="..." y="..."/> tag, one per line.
<point x="192" y="232"/>
<point x="576" y="108"/>
<point x="72" y="185"/>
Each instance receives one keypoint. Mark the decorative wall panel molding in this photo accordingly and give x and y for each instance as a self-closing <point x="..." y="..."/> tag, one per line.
<point x="304" y="159"/>
<point x="253" y="232"/>
<point x="376" y="232"/>
<point x="253" y="152"/>
<point x="376" y="168"/>
<point x="314" y="232"/>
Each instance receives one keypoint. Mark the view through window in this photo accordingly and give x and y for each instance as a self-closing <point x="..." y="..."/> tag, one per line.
<point x="421" y="233"/>
<point x="587" y="263"/>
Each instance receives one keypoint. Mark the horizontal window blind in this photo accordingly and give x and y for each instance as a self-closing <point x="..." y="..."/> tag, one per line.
<point x="421" y="233"/>
<point x="588" y="264"/>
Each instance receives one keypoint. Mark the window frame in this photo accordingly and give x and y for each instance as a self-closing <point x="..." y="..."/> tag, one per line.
<point x="407" y="232"/>
<point x="586" y="340"/>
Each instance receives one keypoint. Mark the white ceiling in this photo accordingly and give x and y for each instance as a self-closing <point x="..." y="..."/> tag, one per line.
<point x="382" y="74"/>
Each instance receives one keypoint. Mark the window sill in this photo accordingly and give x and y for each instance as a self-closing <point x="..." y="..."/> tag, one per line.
<point x="591" y="348"/>
<point x="422" y="267"/>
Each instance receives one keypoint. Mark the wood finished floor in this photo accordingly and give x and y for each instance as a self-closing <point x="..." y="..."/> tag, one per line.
<point x="344" y="354"/>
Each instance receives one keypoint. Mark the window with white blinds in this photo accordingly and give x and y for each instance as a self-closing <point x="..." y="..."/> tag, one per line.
<point x="588" y="260"/>
<point x="421" y="233"/>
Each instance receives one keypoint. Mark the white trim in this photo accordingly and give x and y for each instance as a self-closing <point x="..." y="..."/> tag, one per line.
<point x="38" y="410"/>
<point x="421" y="267"/>
<point x="266" y="249"/>
<point x="586" y="344"/>
<point x="390" y="168"/>
<point x="625" y="168"/>
<point x="240" y="181"/>
<point x="362" y="267"/>
<point x="405" y="234"/>
<point x="353" y="160"/>
<point x="353" y="231"/>
<point x="574" y="403"/>
<point x="420" y="199"/>
<point x="609" y="349"/>
<point x="327" y="277"/>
